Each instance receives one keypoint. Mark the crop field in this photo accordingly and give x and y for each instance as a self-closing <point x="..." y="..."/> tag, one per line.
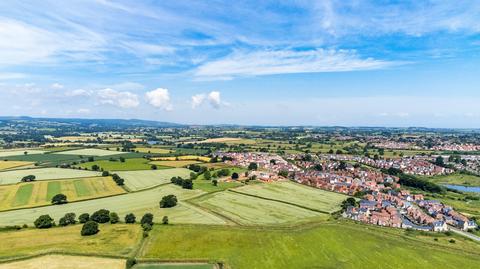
<point x="296" y="194"/>
<point x="174" y="266"/>
<point x="41" y="192"/>
<point x="14" y="176"/>
<point x="47" y="159"/>
<point x="118" y="239"/>
<point x="12" y="164"/>
<point x="183" y="158"/>
<point x="128" y="165"/>
<point x="8" y="153"/>
<point x="173" y="163"/>
<point x="138" y="180"/>
<point x="153" y="150"/>
<point x="91" y="152"/>
<point x="59" y="262"/>
<point x="330" y="245"/>
<point x="247" y="210"/>
<point x="138" y="203"/>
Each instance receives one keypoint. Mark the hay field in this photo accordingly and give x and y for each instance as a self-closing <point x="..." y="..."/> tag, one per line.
<point x="14" y="176"/>
<point x="41" y="192"/>
<point x="247" y="210"/>
<point x="91" y="152"/>
<point x="17" y="152"/>
<point x="138" y="203"/>
<point x="153" y="150"/>
<point x="296" y="194"/>
<point x="138" y="180"/>
<point x="60" y="261"/>
<point x="173" y="163"/>
<point x="13" y="164"/>
<point x="117" y="239"/>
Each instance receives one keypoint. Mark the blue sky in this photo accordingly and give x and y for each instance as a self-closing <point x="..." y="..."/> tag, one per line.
<point x="351" y="63"/>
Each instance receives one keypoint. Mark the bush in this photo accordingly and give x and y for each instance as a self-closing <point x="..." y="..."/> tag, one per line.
<point x="44" y="222"/>
<point x="130" y="218"/>
<point x="105" y="174"/>
<point x="187" y="184"/>
<point x="114" y="218"/>
<point x="84" y="217"/>
<point x="452" y="241"/>
<point x="168" y="201"/>
<point x="59" y="199"/>
<point x="215" y="182"/>
<point x="146" y="227"/>
<point x="235" y="176"/>
<point x="101" y="216"/>
<point x="154" y="167"/>
<point x="147" y="219"/>
<point x="165" y="220"/>
<point x="68" y="219"/>
<point x="89" y="228"/>
<point x="28" y="178"/>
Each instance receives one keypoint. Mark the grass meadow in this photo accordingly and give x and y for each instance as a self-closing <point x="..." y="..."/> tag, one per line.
<point x="15" y="176"/>
<point x="138" y="180"/>
<point x="174" y="266"/>
<point x="117" y="165"/>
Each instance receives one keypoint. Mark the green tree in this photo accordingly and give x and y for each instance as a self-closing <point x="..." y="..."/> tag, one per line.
<point x="207" y="175"/>
<point x="193" y="175"/>
<point x="105" y="174"/>
<point x="147" y="218"/>
<point x="215" y="182"/>
<point x="187" y="184"/>
<point x="101" y="216"/>
<point x="59" y="199"/>
<point x="95" y="167"/>
<point x="253" y="166"/>
<point x="154" y="167"/>
<point x="28" y="178"/>
<point x="84" y="217"/>
<point x="89" y="228"/>
<point x="165" y="220"/>
<point x="114" y="218"/>
<point x="235" y="176"/>
<point x="68" y="219"/>
<point x="43" y="222"/>
<point x="130" y="218"/>
<point x="168" y="201"/>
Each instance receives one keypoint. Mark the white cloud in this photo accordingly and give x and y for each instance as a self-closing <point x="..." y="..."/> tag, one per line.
<point x="197" y="100"/>
<point x="213" y="99"/>
<point x="57" y="86"/>
<point x="159" y="98"/>
<point x="79" y="92"/>
<point x="270" y="62"/>
<point x="116" y="98"/>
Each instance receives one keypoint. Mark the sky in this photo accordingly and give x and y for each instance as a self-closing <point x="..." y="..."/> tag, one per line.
<point x="322" y="63"/>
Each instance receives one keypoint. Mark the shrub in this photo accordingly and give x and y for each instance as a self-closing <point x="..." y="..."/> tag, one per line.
<point x="154" y="167"/>
<point x="165" y="220"/>
<point x="452" y="241"/>
<point x="114" y="218"/>
<point x="43" y="222"/>
<point x="59" y="199"/>
<point x="146" y="227"/>
<point x="147" y="219"/>
<point x="28" y="178"/>
<point x="168" y="201"/>
<point x="101" y="216"/>
<point x="95" y="167"/>
<point x="130" y="218"/>
<point x="68" y="219"/>
<point x="89" y="228"/>
<point x="84" y="217"/>
<point x="105" y="174"/>
<point x="235" y="176"/>
<point x="187" y="184"/>
<point x="215" y="182"/>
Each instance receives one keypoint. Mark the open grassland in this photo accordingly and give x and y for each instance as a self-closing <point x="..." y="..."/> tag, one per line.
<point x="138" y="203"/>
<point x="336" y="245"/>
<point x="247" y="210"/>
<point x="4" y="165"/>
<point x="60" y="261"/>
<point x="174" y="163"/>
<point x="91" y="152"/>
<point x="116" y="165"/>
<point x="117" y="240"/>
<point x="153" y="150"/>
<point x="17" y="152"/>
<point x="40" y="193"/>
<point x="456" y="179"/>
<point x="174" y="266"/>
<point x="207" y="186"/>
<point x="183" y="158"/>
<point x="138" y="180"/>
<point x="14" y="176"/>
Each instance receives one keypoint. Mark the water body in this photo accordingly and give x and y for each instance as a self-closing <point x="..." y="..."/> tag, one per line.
<point x="463" y="188"/>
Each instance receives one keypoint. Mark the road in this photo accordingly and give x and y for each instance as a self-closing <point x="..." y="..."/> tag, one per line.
<point x="466" y="234"/>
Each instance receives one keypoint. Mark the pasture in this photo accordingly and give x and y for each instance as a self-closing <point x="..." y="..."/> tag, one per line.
<point x="138" y="203"/>
<point x="59" y="262"/>
<point x="247" y="210"/>
<point x="298" y="194"/>
<point x="14" y="176"/>
<point x="44" y="159"/>
<point x="116" y="165"/>
<point x="330" y="245"/>
<point x="40" y="193"/>
<point x="456" y="179"/>
<point x="19" y="152"/>
<point x="138" y="180"/>
<point x="4" y="165"/>
<point x="91" y="152"/>
<point x="174" y="266"/>
<point x="118" y="239"/>
<point x="174" y="163"/>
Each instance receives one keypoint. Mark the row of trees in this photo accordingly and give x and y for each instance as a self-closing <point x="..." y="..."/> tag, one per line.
<point x="184" y="183"/>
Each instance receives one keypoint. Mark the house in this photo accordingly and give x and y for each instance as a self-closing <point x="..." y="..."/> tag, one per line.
<point x="440" y="226"/>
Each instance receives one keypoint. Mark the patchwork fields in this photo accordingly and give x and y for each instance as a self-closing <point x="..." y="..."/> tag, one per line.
<point x="138" y="180"/>
<point x="174" y="163"/>
<point x="128" y="165"/>
<point x="14" y="176"/>
<point x="40" y="193"/>
<point x="91" y="152"/>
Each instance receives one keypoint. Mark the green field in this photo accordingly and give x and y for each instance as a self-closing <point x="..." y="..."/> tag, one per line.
<point x="23" y="195"/>
<point x="178" y="163"/>
<point x="8" y="153"/>
<point x="138" y="202"/>
<point x="247" y="210"/>
<point x="91" y="152"/>
<point x="174" y="266"/>
<point x="294" y="193"/>
<point x="138" y="180"/>
<point x="14" y="176"/>
<point x="456" y="179"/>
<point x="46" y="159"/>
<point x="128" y="165"/>
<point x="207" y="186"/>
<point x="331" y="245"/>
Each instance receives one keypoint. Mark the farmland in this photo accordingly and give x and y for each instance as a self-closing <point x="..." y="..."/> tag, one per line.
<point x="8" y="153"/>
<point x="456" y="179"/>
<point x="44" y="159"/>
<point x="90" y="152"/>
<point x="59" y="262"/>
<point x="174" y="266"/>
<point x="138" y="202"/>
<point x="153" y="150"/>
<point x="301" y="195"/>
<point x="137" y="180"/>
<point x="185" y="157"/>
<point x="41" y="192"/>
<point x="174" y="163"/>
<point x="116" y="165"/>
<point x="247" y="210"/>
<point x="12" y="164"/>
<point x="14" y="176"/>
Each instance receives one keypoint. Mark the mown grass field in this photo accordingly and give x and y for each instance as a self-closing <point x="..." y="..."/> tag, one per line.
<point x="14" y="176"/>
<point x="118" y="239"/>
<point x="128" y="165"/>
<point x="19" y="152"/>
<point x="330" y="245"/>
<point x="174" y="163"/>
<point x="456" y="179"/>
<point x="138" y="180"/>
<point x="296" y="194"/>
<point x="40" y="193"/>
<point x="61" y="261"/>
<point x="138" y="203"/>
<point x="13" y="164"/>
<point x="207" y="186"/>
<point x="91" y="152"/>
<point x="247" y="210"/>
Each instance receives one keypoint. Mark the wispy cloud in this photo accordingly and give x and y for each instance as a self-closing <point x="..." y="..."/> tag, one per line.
<point x="116" y="98"/>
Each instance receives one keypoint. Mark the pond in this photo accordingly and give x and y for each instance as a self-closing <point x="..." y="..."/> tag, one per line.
<point x="463" y="188"/>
